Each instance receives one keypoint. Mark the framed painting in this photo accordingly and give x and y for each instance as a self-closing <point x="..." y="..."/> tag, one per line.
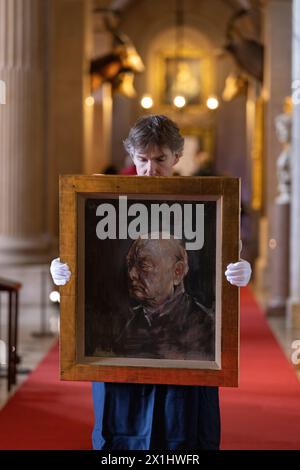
<point x="182" y="77"/>
<point x="148" y="301"/>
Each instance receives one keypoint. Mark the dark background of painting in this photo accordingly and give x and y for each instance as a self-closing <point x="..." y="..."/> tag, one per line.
<point x="106" y="291"/>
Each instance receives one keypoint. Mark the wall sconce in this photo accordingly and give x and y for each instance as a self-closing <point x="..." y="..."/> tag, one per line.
<point x="54" y="296"/>
<point x="212" y="102"/>
<point x="179" y="101"/>
<point x="90" y="101"/>
<point x="146" y="102"/>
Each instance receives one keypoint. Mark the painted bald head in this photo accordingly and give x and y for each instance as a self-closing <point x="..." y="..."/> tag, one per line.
<point x="155" y="268"/>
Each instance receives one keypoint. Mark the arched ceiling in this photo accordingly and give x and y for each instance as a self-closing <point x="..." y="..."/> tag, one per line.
<point x="249" y="25"/>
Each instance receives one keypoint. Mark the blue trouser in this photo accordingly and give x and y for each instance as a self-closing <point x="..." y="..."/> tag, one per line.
<point x="165" y="417"/>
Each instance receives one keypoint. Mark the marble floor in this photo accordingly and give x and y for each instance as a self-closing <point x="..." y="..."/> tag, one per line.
<point x="39" y="332"/>
<point x="285" y="335"/>
<point x="287" y="338"/>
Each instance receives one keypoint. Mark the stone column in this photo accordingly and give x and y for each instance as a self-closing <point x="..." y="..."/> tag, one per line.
<point x="23" y="233"/>
<point x="277" y="79"/>
<point x="279" y="272"/>
<point x="98" y="117"/>
<point x="294" y="300"/>
<point x="280" y="243"/>
<point x="67" y="70"/>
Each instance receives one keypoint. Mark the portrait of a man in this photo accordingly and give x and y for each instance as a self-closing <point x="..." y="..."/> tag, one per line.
<point x="167" y="322"/>
<point x="150" y="296"/>
<point x="148" y="299"/>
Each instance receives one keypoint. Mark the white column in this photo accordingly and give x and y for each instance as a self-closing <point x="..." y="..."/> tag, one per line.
<point x="22" y="125"/>
<point x="294" y="300"/>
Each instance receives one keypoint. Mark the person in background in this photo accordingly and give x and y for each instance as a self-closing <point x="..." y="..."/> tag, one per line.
<point x="129" y="168"/>
<point x="142" y="416"/>
<point x="204" y="166"/>
<point x="110" y="170"/>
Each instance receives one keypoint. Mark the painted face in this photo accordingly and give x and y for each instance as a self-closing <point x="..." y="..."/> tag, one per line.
<point x="155" y="162"/>
<point x="151" y="273"/>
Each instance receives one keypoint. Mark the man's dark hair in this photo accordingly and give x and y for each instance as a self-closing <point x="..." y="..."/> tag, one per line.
<point x="151" y="131"/>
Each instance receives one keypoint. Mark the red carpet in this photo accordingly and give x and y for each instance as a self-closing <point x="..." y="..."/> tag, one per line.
<point x="264" y="413"/>
<point x="46" y="413"/>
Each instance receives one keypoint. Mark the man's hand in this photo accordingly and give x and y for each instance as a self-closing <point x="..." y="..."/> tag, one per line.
<point x="238" y="273"/>
<point x="60" y="272"/>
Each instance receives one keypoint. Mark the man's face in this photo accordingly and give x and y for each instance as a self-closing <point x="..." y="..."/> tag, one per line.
<point x="155" y="162"/>
<point x="151" y="275"/>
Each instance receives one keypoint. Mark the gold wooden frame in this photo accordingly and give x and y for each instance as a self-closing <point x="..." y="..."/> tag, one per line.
<point x="167" y="74"/>
<point x="226" y="192"/>
<point x="205" y="70"/>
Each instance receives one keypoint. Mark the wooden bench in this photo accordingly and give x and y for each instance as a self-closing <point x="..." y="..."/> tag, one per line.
<point x="12" y="288"/>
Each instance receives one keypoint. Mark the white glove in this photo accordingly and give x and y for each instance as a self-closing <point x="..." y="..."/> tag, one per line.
<point x="238" y="273"/>
<point x="60" y="272"/>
